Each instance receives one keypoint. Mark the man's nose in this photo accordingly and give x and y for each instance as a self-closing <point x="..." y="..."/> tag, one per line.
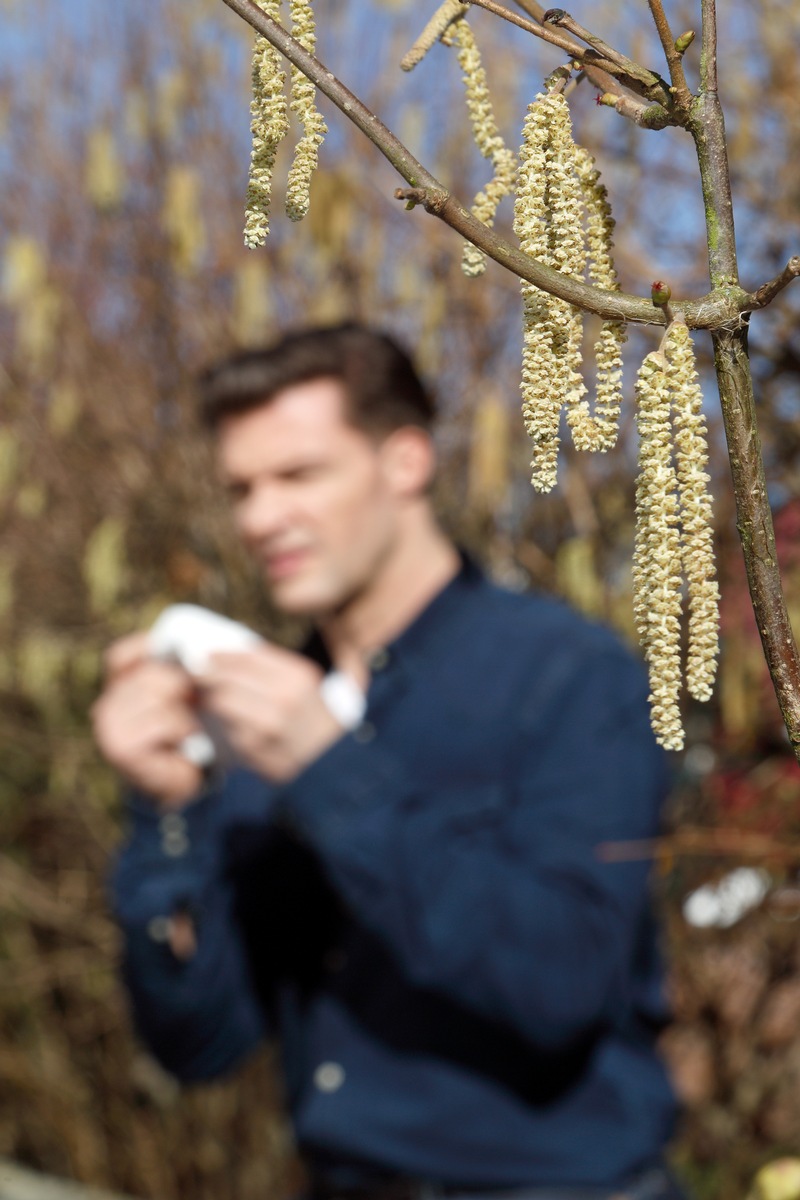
<point x="263" y="514"/>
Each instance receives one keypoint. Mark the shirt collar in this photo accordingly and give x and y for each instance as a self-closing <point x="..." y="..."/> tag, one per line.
<point x="426" y="627"/>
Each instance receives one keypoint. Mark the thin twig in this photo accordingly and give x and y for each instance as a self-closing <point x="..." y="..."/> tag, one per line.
<point x="573" y="48"/>
<point x="711" y="311"/>
<point x="708" y="47"/>
<point x="735" y="380"/>
<point x="691" y="840"/>
<point x="595" y="74"/>
<point x="643" y="114"/>
<point x="611" y="306"/>
<point x="674" y="60"/>
<point x="564" y="20"/>
<point x="768" y="291"/>
<point x="531" y="8"/>
<point x="672" y="317"/>
<point x="600" y="68"/>
<point x="639" y="78"/>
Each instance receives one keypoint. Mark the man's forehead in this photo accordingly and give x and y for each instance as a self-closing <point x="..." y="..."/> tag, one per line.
<point x="305" y="418"/>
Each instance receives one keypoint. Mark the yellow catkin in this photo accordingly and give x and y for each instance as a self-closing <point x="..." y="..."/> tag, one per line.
<point x="600" y="431"/>
<point x="568" y="255"/>
<point x="548" y="219"/>
<point x="451" y="10"/>
<point x="657" y="552"/>
<point x="487" y="137"/>
<point x="691" y="458"/>
<point x="269" y="124"/>
<point x="303" y="95"/>
<point x="541" y="405"/>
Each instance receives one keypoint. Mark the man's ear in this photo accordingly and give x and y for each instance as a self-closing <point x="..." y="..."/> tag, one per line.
<point x="409" y="460"/>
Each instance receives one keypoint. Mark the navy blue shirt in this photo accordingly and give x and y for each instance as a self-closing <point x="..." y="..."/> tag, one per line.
<point x="464" y="990"/>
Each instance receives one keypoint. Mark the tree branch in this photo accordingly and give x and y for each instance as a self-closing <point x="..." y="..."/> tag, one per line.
<point x="639" y="79"/>
<point x="647" y="116"/>
<point x="753" y="513"/>
<point x="601" y="63"/>
<point x="721" y="310"/>
<point x="708" y="47"/>
<point x="768" y="291"/>
<point x="573" y="48"/>
<point x="594" y="73"/>
<point x="531" y="8"/>
<point x="674" y="60"/>
<point x="754" y="523"/>
<point x="707" y="312"/>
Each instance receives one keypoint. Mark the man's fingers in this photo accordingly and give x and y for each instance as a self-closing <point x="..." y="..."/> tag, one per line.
<point x="150" y="684"/>
<point x="238" y="704"/>
<point x="127" y="744"/>
<point x="126" y="653"/>
<point x="260" y="659"/>
<point x="166" y="728"/>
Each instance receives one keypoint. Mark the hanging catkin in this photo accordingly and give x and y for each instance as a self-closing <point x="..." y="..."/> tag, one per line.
<point x="302" y="103"/>
<point x="600" y="431"/>
<point x="691" y="458"/>
<point x="541" y="403"/>
<point x="451" y="10"/>
<point x="674" y="538"/>
<point x="563" y="219"/>
<point x="487" y="138"/>
<point x="269" y="124"/>
<point x="657" y="552"/>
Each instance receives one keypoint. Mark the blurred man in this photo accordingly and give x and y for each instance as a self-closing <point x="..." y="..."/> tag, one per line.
<point x="465" y="994"/>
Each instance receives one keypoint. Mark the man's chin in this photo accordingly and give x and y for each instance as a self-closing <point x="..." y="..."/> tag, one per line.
<point x="299" y="597"/>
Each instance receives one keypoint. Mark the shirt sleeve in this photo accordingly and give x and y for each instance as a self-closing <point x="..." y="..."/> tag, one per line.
<point x="503" y="901"/>
<point x="200" y="1015"/>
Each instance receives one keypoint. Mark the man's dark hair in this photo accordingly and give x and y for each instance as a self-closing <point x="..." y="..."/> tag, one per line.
<point x="382" y="389"/>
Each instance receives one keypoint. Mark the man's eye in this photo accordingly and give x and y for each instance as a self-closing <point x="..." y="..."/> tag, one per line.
<point x="302" y="474"/>
<point x="237" y="492"/>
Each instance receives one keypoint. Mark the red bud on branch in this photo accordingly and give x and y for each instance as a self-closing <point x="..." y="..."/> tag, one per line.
<point x="660" y="293"/>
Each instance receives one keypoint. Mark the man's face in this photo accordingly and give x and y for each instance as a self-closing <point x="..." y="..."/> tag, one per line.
<point x="312" y="496"/>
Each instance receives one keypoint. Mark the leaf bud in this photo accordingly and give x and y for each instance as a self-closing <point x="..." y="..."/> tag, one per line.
<point x="685" y="40"/>
<point x="660" y="293"/>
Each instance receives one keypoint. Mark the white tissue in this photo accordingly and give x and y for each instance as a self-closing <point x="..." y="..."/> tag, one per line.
<point x="189" y="634"/>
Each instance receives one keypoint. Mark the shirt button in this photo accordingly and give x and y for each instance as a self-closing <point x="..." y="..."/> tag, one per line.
<point x="172" y="822"/>
<point x="158" y="929"/>
<point x="174" y="841"/>
<point x="329" y="1077"/>
<point x="365" y="732"/>
<point x="379" y="660"/>
<point x="174" y="844"/>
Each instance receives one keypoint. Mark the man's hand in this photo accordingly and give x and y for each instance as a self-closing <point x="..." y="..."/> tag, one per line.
<point x="269" y="705"/>
<point x="145" y="711"/>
